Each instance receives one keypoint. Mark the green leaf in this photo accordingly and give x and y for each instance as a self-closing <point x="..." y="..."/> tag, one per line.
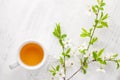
<point x="96" y="21"/>
<point x="83" y="51"/>
<point x="100" y="26"/>
<point x="93" y="40"/>
<point x="63" y="53"/>
<point x="101" y="15"/>
<point x="102" y="4"/>
<point x="63" y="36"/>
<point x="61" y="43"/>
<point x="57" y="67"/>
<point x="96" y="6"/>
<point x="61" y="60"/>
<point x="85" y="59"/>
<point x="104" y="24"/>
<point x="101" y="61"/>
<point x="118" y="65"/>
<point x="105" y="17"/>
<point x="84" y="30"/>
<point x="90" y="31"/>
<point x="85" y="33"/>
<point x="101" y="8"/>
<point x="68" y="51"/>
<point x="104" y="62"/>
<point x="57" y="31"/>
<point x="100" y="52"/>
<point x="118" y="60"/>
<point x="51" y="71"/>
<point x="115" y="55"/>
<point x="84" y="71"/>
<point x="56" y="34"/>
<point x="81" y="62"/>
<point x="58" y="28"/>
<point x="94" y="54"/>
<point x="68" y="56"/>
<point x="94" y="9"/>
<point x="54" y="73"/>
<point x="85" y="65"/>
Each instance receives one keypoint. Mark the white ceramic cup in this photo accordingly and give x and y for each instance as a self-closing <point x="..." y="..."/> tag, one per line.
<point x="20" y="63"/>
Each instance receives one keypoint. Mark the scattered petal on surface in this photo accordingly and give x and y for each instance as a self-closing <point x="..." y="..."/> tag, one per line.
<point x="67" y="43"/>
<point x="69" y="63"/>
<point x="60" y="74"/>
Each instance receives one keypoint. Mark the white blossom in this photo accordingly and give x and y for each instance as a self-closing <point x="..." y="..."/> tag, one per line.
<point x="60" y="75"/>
<point x="67" y="43"/>
<point x="89" y="11"/>
<point x="69" y="63"/>
<point x="100" y="70"/>
<point x="74" y="52"/>
<point x="82" y="46"/>
<point x="86" y="55"/>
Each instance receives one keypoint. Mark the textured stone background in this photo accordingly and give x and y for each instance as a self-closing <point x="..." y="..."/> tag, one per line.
<point x="23" y="20"/>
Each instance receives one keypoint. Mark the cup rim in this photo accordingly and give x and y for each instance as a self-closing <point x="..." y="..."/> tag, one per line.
<point x="36" y="66"/>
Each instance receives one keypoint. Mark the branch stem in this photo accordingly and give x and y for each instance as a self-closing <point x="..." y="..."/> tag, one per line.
<point x="64" y="65"/>
<point x="93" y="32"/>
<point x="96" y="23"/>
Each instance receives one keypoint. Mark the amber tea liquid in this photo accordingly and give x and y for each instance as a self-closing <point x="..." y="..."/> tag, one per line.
<point x="31" y="54"/>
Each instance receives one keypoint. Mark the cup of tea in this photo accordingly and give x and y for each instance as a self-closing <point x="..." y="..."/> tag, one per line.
<point x="31" y="55"/>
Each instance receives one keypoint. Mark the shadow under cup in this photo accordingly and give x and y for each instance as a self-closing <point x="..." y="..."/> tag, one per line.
<point x="31" y="55"/>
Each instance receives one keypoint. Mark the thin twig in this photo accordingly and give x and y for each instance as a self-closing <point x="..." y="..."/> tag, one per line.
<point x="75" y="73"/>
<point x="64" y="65"/>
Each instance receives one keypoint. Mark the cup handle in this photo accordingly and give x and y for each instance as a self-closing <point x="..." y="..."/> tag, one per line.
<point x="14" y="65"/>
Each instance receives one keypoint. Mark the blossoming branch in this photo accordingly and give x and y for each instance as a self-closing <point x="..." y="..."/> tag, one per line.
<point x="87" y="56"/>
